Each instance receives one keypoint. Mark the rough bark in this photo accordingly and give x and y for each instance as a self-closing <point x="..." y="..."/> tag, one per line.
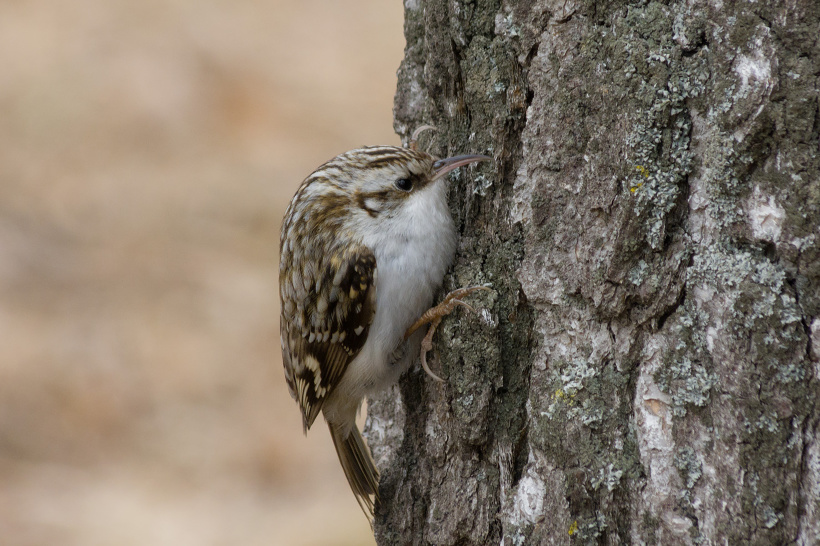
<point x="646" y="369"/>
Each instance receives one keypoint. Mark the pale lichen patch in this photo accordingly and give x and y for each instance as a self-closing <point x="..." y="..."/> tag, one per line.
<point x="766" y="216"/>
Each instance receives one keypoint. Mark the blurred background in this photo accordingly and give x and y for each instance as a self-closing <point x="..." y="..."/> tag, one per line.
<point x="147" y="153"/>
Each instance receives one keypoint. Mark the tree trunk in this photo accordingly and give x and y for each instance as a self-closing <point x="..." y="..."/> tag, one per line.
<point x="646" y="367"/>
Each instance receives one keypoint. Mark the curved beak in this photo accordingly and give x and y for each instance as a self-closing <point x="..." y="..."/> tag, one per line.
<point x="444" y="166"/>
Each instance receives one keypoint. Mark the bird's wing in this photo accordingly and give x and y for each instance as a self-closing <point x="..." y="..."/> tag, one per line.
<point x="335" y="314"/>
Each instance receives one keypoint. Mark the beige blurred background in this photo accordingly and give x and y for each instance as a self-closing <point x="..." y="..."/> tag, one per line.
<point x="147" y="152"/>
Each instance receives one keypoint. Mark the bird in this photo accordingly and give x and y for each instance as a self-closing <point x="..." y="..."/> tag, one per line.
<point x="364" y="245"/>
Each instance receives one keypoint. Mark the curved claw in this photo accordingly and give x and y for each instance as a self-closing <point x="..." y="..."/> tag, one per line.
<point x="427" y="368"/>
<point x="464" y="304"/>
<point x="427" y="345"/>
<point x="415" y="136"/>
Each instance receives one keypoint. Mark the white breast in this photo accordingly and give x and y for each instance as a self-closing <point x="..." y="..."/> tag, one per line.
<point x="413" y="250"/>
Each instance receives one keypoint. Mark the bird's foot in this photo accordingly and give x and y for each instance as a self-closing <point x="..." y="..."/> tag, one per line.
<point x="433" y="317"/>
<point x="414" y="138"/>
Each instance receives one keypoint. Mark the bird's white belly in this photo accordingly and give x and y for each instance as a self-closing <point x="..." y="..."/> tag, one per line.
<point x="412" y="255"/>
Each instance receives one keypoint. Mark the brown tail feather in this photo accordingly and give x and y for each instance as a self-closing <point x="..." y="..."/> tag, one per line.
<point x="360" y="470"/>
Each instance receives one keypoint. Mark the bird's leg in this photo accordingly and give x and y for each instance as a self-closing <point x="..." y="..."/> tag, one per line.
<point x="433" y="317"/>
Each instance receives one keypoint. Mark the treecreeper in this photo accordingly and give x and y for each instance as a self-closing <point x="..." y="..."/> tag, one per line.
<point x="365" y="243"/>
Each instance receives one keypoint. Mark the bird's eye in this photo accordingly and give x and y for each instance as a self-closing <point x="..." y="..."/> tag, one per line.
<point x="404" y="184"/>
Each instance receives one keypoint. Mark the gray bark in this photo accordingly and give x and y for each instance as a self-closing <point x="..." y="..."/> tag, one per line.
<point x="646" y="368"/>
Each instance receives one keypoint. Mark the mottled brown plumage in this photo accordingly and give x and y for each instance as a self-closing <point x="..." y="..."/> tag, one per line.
<point x="364" y="244"/>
